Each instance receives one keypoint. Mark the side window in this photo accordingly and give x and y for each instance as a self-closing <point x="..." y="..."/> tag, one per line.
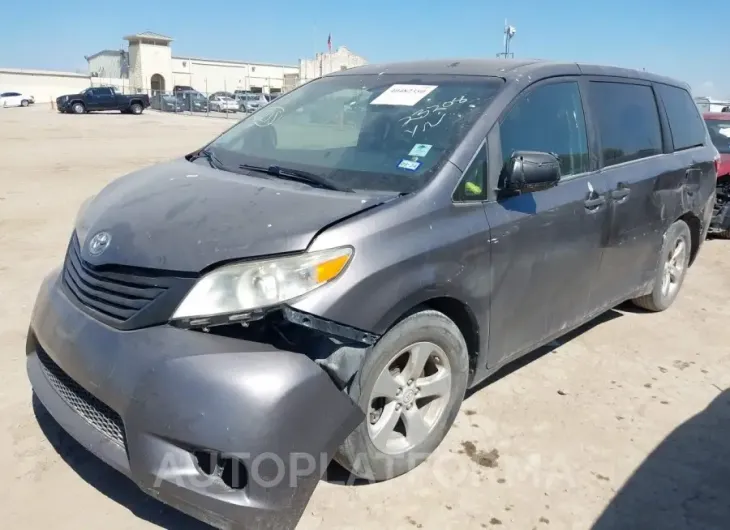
<point x="685" y="124"/>
<point x="549" y="119"/>
<point x="103" y="92"/>
<point x="473" y="185"/>
<point x="628" y="121"/>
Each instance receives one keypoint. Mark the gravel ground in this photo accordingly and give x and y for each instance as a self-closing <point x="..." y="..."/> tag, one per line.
<point x="621" y="425"/>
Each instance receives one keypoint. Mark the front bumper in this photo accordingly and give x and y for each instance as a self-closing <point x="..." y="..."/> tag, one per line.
<point x="149" y="401"/>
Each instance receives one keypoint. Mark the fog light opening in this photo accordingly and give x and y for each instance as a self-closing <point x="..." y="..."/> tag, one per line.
<point x="207" y="462"/>
<point x="234" y="474"/>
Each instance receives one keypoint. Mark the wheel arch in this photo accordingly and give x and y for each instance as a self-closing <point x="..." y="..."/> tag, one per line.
<point x="695" y="230"/>
<point x="459" y="311"/>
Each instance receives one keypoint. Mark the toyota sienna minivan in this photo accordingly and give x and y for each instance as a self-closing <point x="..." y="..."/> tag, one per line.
<point x="306" y="287"/>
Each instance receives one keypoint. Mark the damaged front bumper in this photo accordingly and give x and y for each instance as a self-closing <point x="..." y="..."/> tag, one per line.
<point x="233" y="432"/>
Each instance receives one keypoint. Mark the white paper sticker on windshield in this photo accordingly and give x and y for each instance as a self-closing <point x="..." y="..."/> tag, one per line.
<point x="725" y="131"/>
<point x="410" y="165"/>
<point x="420" y="150"/>
<point x="407" y="95"/>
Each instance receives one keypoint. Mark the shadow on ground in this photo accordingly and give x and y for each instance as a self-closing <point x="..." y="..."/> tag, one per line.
<point x="513" y="366"/>
<point x="684" y="484"/>
<point x="108" y="481"/>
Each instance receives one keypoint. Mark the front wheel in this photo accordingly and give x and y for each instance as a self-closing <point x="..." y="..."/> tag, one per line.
<point x="673" y="264"/>
<point x="78" y="108"/>
<point x="24" y="103"/>
<point x="410" y="386"/>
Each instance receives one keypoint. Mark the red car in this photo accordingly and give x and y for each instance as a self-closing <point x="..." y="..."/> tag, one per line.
<point x="718" y="123"/>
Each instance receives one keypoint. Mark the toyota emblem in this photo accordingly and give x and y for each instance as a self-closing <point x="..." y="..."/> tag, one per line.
<point x="99" y="243"/>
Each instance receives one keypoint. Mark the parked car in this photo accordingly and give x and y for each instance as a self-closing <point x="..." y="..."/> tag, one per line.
<point x="182" y="88"/>
<point x="221" y="94"/>
<point x="166" y="103"/>
<point x="251" y="102"/>
<point x="339" y="292"/>
<point x="15" y="99"/>
<point x="102" y="99"/>
<point x="718" y="123"/>
<point x="223" y="104"/>
<point x="193" y="101"/>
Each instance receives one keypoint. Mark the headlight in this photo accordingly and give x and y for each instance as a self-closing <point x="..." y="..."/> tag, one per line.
<point x="247" y="286"/>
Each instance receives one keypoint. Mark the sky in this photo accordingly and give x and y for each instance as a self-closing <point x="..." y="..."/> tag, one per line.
<point x="670" y="37"/>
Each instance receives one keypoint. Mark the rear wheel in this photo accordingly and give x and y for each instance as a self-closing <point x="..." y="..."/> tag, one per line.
<point x="135" y="108"/>
<point x="673" y="265"/>
<point x="78" y="108"/>
<point x="410" y="387"/>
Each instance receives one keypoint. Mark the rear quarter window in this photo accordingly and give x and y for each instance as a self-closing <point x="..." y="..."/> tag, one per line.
<point x="685" y="123"/>
<point x="627" y="119"/>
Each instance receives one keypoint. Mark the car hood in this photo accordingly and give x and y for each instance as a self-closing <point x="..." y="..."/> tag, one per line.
<point x="181" y="216"/>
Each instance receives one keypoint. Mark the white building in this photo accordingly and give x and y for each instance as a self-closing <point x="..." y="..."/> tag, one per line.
<point x="108" y="63"/>
<point x="325" y="63"/>
<point x="153" y="67"/>
<point x="149" y="65"/>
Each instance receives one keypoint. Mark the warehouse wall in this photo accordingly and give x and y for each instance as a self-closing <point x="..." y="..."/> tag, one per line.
<point x="207" y="75"/>
<point x="44" y="85"/>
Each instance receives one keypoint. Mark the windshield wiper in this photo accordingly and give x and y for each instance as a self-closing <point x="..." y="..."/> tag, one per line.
<point x="296" y="174"/>
<point x="212" y="159"/>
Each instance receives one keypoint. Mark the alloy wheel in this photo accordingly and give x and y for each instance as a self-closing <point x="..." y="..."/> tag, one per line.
<point x="674" y="268"/>
<point x="409" y="398"/>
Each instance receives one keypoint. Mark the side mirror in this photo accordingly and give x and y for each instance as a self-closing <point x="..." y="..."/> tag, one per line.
<point x="531" y="171"/>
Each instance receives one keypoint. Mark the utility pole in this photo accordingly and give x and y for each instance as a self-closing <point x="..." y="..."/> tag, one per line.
<point x="509" y="32"/>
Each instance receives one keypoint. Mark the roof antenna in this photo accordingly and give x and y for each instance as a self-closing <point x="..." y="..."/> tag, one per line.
<point x="509" y="32"/>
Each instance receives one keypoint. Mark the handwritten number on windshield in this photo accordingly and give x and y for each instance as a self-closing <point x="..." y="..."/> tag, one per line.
<point x="429" y="117"/>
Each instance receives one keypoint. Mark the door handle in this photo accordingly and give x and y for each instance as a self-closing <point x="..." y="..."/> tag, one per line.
<point x="621" y="192"/>
<point x="595" y="202"/>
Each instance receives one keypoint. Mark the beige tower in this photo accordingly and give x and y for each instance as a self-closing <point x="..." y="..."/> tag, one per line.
<point x="150" y="62"/>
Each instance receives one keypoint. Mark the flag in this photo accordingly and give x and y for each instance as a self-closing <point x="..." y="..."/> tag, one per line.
<point x="329" y="42"/>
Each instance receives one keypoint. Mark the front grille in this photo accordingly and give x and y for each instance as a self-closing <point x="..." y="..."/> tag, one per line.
<point x="117" y="295"/>
<point x="100" y="416"/>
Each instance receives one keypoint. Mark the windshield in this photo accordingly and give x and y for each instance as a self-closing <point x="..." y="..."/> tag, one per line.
<point x="385" y="132"/>
<point x="720" y="134"/>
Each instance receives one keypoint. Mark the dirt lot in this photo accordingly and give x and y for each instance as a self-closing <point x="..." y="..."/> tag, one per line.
<point x="611" y="424"/>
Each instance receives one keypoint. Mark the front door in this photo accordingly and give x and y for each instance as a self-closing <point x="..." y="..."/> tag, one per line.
<point x="547" y="245"/>
<point x="91" y="99"/>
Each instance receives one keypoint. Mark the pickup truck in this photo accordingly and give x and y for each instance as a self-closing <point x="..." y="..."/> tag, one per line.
<point x="97" y="99"/>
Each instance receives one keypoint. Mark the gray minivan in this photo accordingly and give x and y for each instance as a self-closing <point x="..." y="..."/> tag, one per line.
<point x="307" y="287"/>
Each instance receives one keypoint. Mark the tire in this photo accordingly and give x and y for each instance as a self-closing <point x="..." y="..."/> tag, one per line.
<point x="135" y="108"/>
<point x="365" y="454"/>
<point x="24" y="103"/>
<point x="671" y="269"/>
<point x="78" y="108"/>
